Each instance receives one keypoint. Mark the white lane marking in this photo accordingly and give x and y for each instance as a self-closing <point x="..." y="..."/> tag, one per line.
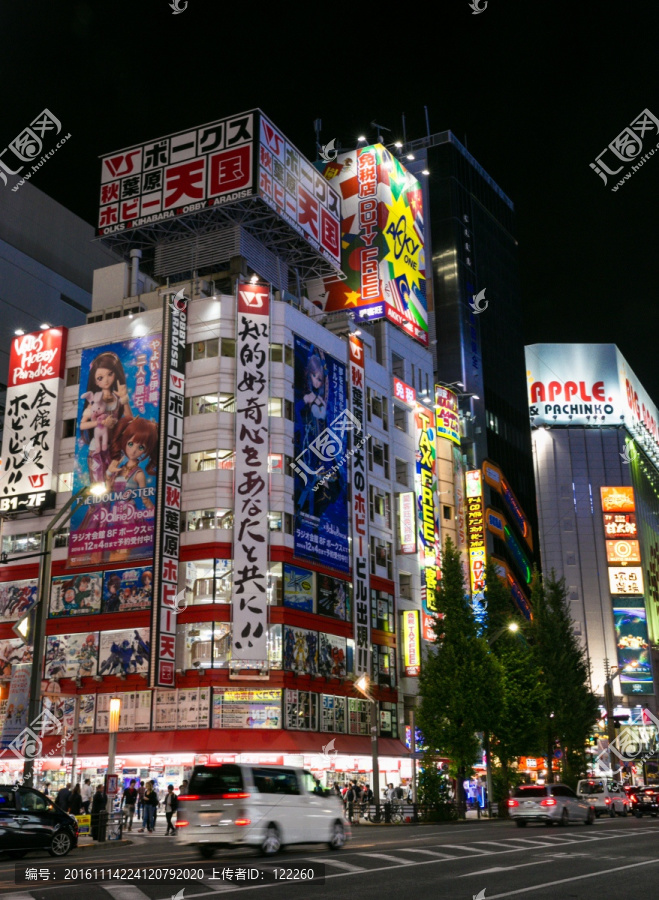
<point x="540" y="887"/>
<point x="426" y="852"/>
<point x="18" y="895"/>
<point x="539" y="862"/>
<point x="471" y="849"/>
<point x="393" y="859"/>
<point x="501" y="844"/>
<point x="538" y="843"/>
<point x="335" y="862"/>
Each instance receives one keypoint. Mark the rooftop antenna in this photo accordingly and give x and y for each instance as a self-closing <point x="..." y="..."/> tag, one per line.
<point x="380" y="128"/>
<point x="427" y="121"/>
<point x="318" y="124"/>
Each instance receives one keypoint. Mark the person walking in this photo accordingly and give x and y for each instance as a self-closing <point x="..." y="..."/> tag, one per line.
<point x="140" y="800"/>
<point x="366" y="800"/>
<point x="128" y="802"/>
<point x="150" y="804"/>
<point x="86" y="792"/>
<point x="171" y="805"/>
<point x="99" y="804"/>
<point x="62" y="799"/>
<point x="75" y="801"/>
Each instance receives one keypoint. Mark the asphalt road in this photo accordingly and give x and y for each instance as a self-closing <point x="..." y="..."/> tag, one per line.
<point x="613" y="858"/>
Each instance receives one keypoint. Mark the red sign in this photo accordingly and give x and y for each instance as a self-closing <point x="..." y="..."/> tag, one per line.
<point x="404" y="392"/>
<point x="37" y="356"/>
<point x="253" y="299"/>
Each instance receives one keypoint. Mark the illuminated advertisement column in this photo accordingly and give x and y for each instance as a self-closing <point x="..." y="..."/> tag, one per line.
<point x="360" y="530"/>
<point x="250" y="524"/>
<point x="428" y="527"/>
<point x="623" y="556"/>
<point x="162" y="663"/>
<point x="476" y="541"/>
<point x="34" y="382"/>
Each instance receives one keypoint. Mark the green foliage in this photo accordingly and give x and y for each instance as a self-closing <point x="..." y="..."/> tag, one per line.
<point x="434" y="791"/>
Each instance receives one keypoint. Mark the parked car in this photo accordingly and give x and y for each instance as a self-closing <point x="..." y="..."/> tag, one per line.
<point x="29" y="820"/>
<point x="264" y="807"/>
<point x="644" y="799"/>
<point x="605" y="796"/>
<point x="548" y="803"/>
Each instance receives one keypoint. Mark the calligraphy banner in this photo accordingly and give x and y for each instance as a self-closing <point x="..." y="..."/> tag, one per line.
<point x="250" y="524"/>
<point x="36" y="369"/>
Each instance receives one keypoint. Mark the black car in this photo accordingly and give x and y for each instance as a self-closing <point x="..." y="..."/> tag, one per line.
<point x="30" y="821"/>
<point x="644" y="799"/>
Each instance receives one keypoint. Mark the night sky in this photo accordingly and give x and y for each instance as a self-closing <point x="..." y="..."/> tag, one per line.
<point x="537" y="91"/>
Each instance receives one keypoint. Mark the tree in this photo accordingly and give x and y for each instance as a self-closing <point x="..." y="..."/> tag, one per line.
<point x="518" y="731"/>
<point x="570" y="708"/>
<point x="460" y="682"/>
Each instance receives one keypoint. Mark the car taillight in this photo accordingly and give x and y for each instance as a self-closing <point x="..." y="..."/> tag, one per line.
<point x="243" y="822"/>
<point x="608" y="800"/>
<point x="181" y="823"/>
<point x="548" y="801"/>
<point x="512" y="803"/>
<point x="189" y="797"/>
<point x="634" y="798"/>
<point x="233" y="796"/>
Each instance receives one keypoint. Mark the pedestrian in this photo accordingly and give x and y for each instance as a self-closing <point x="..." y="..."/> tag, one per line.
<point x="337" y="790"/>
<point x="128" y="802"/>
<point x="150" y="804"/>
<point x="349" y="799"/>
<point x="62" y="799"/>
<point x="183" y="789"/>
<point x="367" y="799"/>
<point x="75" y="801"/>
<point x="99" y="804"/>
<point x="140" y="800"/>
<point x="46" y="788"/>
<point x="86" y="792"/>
<point x="171" y="805"/>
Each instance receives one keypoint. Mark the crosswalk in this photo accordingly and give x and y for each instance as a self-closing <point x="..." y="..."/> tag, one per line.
<point x="350" y="862"/>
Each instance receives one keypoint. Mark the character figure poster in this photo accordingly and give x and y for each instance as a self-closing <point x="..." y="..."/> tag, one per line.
<point x="75" y="595"/>
<point x="320" y="467"/>
<point x="124" y="652"/>
<point x="298" y="588"/>
<point x="116" y="445"/>
<point x="17" y="598"/>
<point x="71" y="655"/>
<point x="127" y="589"/>
<point x="300" y="650"/>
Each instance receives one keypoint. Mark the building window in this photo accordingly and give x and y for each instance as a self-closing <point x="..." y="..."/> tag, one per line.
<point x="68" y="428"/>
<point x="275" y="521"/>
<point x="73" y="376"/>
<point x="289" y="356"/>
<point x="64" y="482"/>
<point x="398" y="366"/>
<point x="275" y="405"/>
<point x="382" y="611"/>
<point x="208" y="581"/>
<point x="402" y="472"/>
<point x="381" y="556"/>
<point x="201" y="350"/>
<point x="288" y="523"/>
<point x="301" y="710"/>
<point x="289" y="410"/>
<point x="276" y="353"/>
<point x="204" y="519"/>
<point x="359" y="716"/>
<point x="209" y="403"/>
<point x="405" y="585"/>
<point x="228" y="347"/>
<point x="400" y="418"/>
<point x="447" y="512"/>
<point x="21" y="543"/>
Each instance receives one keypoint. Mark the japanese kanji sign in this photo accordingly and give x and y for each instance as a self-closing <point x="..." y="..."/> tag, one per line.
<point x="36" y="369"/>
<point x="250" y="523"/>
<point x="360" y="529"/>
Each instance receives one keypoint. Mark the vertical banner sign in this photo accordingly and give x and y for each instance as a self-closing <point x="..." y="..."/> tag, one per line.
<point x="476" y="538"/>
<point x="427" y="519"/>
<point x="360" y="530"/>
<point x="411" y="643"/>
<point x="36" y="369"/>
<point x="162" y="662"/>
<point x="250" y="523"/>
<point x="446" y="410"/>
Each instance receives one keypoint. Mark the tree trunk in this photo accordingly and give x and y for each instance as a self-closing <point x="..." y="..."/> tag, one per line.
<point x="503" y="803"/>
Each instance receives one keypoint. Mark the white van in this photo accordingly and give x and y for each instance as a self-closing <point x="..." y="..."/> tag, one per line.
<point x="240" y="805"/>
<point x="605" y="795"/>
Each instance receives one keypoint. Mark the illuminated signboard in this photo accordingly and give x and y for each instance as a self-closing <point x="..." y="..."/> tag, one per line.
<point x="496" y="479"/>
<point x="411" y="643"/>
<point x="515" y="588"/>
<point x="620" y="525"/>
<point x="617" y="499"/>
<point x="382" y="242"/>
<point x="34" y="383"/>
<point x="446" y="410"/>
<point x="404" y="392"/>
<point x="518" y="555"/>
<point x="627" y="580"/>
<point x="476" y="541"/>
<point x="622" y="551"/>
<point x="428" y="526"/>
<point x="633" y="646"/>
<point x="407" y="522"/>
<point x="495" y="522"/>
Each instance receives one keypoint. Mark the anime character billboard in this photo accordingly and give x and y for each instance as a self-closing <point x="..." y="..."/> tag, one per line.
<point x="75" y="595"/>
<point x="124" y="652"/>
<point x="127" y="589"/>
<point x="17" y="598"/>
<point x="300" y="650"/>
<point x="71" y="655"/>
<point x="320" y="467"/>
<point x="116" y="445"/>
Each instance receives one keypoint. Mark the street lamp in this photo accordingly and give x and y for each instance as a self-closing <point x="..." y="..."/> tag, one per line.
<point x="41" y="608"/>
<point x="362" y="684"/>
<point x="113" y="728"/>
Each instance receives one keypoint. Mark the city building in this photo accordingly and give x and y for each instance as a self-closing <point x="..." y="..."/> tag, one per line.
<point x="270" y="521"/>
<point x="47" y="259"/>
<point x="596" y="455"/>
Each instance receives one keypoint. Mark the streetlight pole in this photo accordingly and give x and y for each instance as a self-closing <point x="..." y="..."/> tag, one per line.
<point x="511" y="627"/>
<point x="41" y="614"/>
<point x="113" y="728"/>
<point x="610" y="722"/>
<point x="362" y="685"/>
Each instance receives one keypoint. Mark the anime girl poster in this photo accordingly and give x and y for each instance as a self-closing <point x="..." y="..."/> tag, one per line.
<point x="127" y="589"/>
<point x="75" y="595"/>
<point x="17" y="598"/>
<point x="320" y="467"/>
<point x="116" y="445"/>
<point x="71" y="655"/>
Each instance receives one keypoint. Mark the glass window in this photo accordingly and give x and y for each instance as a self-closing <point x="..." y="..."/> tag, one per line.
<point x="289" y="357"/>
<point x="378" y="452"/>
<point x="333" y="713"/>
<point x="311" y="783"/>
<point x="275" y="584"/>
<point x="204" y="519"/>
<point x="398" y="366"/>
<point x="198" y="406"/>
<point x="227" y="403"/>
<point x="73" y="376"/>
<point x="359" y="716"/>
<point x="204" y="645"/>
<point x="526" y="791"/>
<point x="64" y="482"/>
<point x="228" y="347"/>
<point x="402" y="472"/>
<point x="275" y="781"/>
<point x="30" y="800"/>
<point x="227" y="779"/>
<point x="274" y="521"/>
<point x="276" y="353"/>
<point x="68" y="428"/>
<point x="405" y="585"/>
<point x="274" y="406"/>
<point x="7" y="800"/>
<point x="400" y="418"/>
<point x="289" y="410"/>
<point x="301" y="711"/>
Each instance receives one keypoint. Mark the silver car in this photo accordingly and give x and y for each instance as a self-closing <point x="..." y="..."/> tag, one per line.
<point x="548" y="803"/>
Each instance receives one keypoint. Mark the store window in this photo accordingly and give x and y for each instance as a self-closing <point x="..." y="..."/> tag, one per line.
<point x="204" y="645"/>
<point x="301" y="711"/>
<point x="21" y="543"/>
<point x="204" y="519"/>
<point x="240" y="708"/>
<point x="208" y="581"/>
